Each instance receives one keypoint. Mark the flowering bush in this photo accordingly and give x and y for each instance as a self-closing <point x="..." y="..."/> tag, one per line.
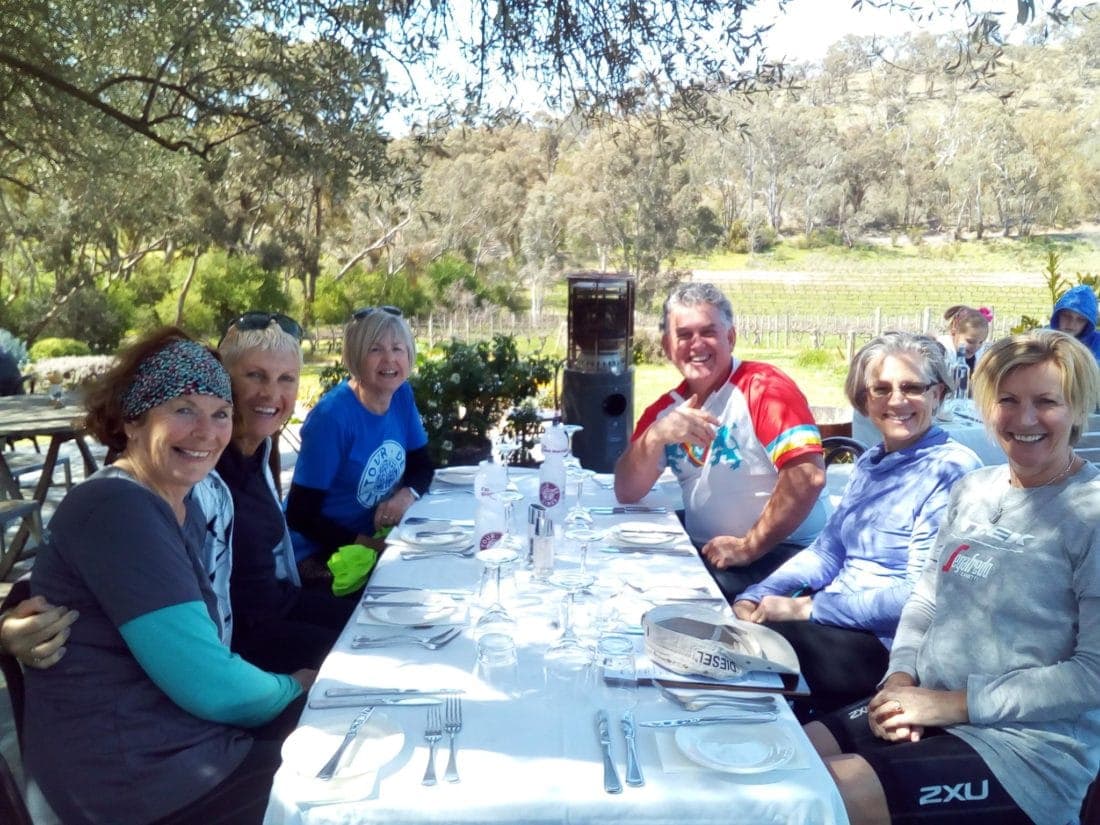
<point x="464" y="391"/>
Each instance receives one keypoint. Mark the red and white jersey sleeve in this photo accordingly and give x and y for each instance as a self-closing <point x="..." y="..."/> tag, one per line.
<point x="764" y="422"/>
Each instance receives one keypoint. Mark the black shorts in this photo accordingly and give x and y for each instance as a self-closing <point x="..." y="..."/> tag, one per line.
<point x="940" y="779"/>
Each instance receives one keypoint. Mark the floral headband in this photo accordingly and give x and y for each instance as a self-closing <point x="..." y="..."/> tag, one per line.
<point x="179" y="368"/>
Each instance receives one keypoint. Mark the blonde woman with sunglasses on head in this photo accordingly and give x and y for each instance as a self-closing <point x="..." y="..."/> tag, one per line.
<point x="364" y="457"/>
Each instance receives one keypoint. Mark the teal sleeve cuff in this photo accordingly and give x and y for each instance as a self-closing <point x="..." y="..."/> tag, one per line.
<point x="178" y="647"/>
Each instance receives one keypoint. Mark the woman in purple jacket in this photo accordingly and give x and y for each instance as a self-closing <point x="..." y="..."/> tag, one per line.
<point x="838" y="601"/>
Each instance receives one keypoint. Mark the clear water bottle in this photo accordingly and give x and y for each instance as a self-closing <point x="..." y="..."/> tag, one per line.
<point x="555" y="447"/>
<point x="490" y="523"/>
<point x="961" y="373"/>
<point x="491" y="479"/>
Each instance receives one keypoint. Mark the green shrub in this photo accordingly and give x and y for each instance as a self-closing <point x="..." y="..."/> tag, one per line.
<point x="58" y="348"/>
<point x="464" y="391"/>
<point x="758" y="236"/>
<point x="814" y="358"/>
<point x="647" y="349"/>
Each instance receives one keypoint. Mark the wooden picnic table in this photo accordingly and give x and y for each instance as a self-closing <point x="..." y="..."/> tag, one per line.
<point x="38" y="416"/>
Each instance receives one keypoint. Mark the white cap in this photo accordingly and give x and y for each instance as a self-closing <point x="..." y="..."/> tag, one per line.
<point x="697" y="641"/>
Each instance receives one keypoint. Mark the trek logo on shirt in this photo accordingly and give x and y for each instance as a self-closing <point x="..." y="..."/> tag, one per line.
<point x="969" y="567"/>
<point x="963" y="792"/>
<point x="723" y="450"/>
<point x="381" y="473"/>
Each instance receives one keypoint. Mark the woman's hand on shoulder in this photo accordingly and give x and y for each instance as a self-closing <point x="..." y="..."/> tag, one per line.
<point x="35" y="632"/>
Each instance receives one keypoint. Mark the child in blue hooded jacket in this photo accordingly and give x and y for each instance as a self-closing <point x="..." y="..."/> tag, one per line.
<point x="1075" y="314"/>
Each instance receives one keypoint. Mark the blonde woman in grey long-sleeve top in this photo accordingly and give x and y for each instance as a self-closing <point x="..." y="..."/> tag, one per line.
<point x="999" y="646"/>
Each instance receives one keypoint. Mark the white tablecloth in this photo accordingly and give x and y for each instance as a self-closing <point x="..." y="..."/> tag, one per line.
<point x="966" y="428"/>
<point x="533" y="756"/>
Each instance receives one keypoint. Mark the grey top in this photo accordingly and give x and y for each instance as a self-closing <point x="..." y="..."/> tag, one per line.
<point x="1010" y="612"/>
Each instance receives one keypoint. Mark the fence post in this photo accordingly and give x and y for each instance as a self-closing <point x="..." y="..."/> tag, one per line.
<point x="877" y="323"/>
<point x="926" y="320"/>
<point x="851" y="348"/>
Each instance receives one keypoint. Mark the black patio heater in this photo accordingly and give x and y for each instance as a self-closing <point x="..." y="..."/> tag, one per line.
<point x="598" y="382"/>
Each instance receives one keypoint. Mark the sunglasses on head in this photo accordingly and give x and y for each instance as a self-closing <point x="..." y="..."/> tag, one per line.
<point x="262" y="320"/>
<point x="365" y="312"/>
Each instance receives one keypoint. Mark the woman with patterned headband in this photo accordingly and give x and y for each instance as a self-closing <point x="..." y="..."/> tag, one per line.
<point x="143" y="719"/>
<point x="364" y="457"/>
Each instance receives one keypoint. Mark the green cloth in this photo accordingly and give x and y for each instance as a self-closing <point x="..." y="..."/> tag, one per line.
<point x="351" y="566"/>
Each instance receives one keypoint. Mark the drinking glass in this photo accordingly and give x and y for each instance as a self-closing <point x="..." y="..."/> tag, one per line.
<point x="570" y="459"/>
<point x="569" y="646"/>
<point x="497" y="664"/>
<point x="617" y="685"/>
<point x="504" y="552"/>
<point x="579" y="514"/>
<point x="584" y="536"/>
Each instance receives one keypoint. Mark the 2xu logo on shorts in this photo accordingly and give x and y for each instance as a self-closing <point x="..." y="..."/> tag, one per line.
<point x="963" y="792"/>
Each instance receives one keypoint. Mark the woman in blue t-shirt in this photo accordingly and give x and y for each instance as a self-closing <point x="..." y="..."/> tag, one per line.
<point x="364" y="457"/>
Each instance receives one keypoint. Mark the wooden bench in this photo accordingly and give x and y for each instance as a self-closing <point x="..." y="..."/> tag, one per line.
<point x="22" y="463"/>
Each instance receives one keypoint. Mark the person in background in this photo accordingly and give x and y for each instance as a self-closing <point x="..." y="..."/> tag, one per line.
<point x="144" y="717"/>
<point x="968" y="330"/>
<point x="1075" y="314"/>
<point x="11" y="379"/>
<point x="993" y="685"/>
<point x="278" y="625"/>
<point x="741" y="440"/>
<point x="838" y="601"/>
<point x="364" y="457"/>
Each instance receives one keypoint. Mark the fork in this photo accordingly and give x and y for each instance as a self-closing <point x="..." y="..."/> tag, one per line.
<point x="453" y="725"/>
<point x="431" y="643"/>
<point x="432" y="734"/>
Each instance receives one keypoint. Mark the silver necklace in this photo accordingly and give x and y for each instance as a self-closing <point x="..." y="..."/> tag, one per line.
<point x="993" y="519"/>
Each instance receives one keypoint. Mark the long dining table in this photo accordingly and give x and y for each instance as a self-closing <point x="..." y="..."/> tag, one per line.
<point x="528" y="750"/>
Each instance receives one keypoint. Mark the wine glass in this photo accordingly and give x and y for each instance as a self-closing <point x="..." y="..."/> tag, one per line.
<point x="578" y="514"/>
<point x="509" y="498"/>
<point x="570" y="459"/>
<point x="496" y="557"/>
<point x="584" y="535"/>
<point x="569" y="647"/>
<point x="506" y="447"/>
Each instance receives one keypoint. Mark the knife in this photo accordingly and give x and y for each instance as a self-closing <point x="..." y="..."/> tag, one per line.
<point x="633" y="767"/>
<point x="330" y="767"/>
<point x="365" y="691"/>
<point x="627" y="509"/>
<point x="371" y="701"/>
<point x="650" y="551"/>
<point x="611" y="782"/>
<point x="748" y="719"/>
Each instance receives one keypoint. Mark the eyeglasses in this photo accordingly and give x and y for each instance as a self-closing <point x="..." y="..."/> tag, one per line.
<point x="365" y="312"/>
<point x="262" y="320"/>
<point x="907" y="388"/>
